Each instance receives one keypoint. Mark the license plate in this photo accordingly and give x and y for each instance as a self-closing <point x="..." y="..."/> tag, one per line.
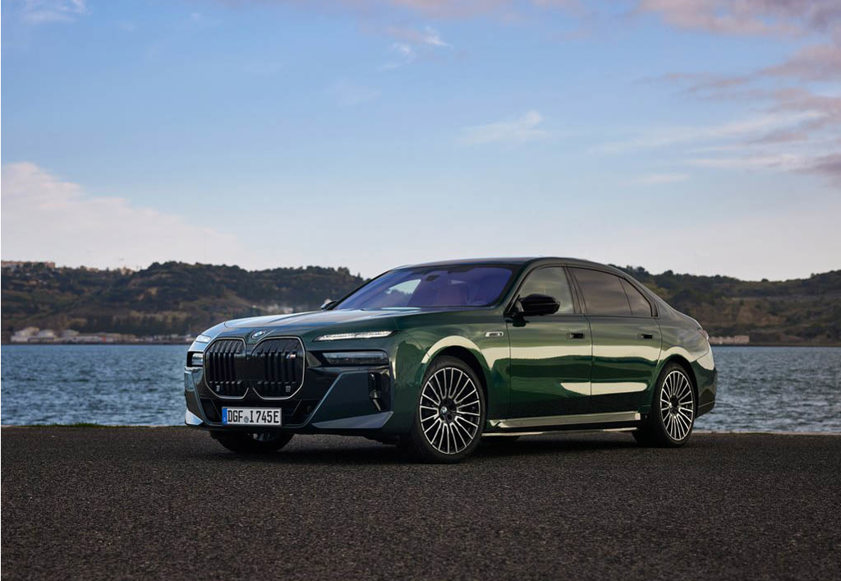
<point x="252" y="416"/>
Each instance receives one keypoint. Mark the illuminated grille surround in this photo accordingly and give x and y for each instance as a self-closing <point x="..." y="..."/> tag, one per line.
<point x="273" y="369"/>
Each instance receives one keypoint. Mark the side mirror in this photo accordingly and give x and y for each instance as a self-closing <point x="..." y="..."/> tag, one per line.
<point x="536" y="305"/>
<point x="327" y="304"/>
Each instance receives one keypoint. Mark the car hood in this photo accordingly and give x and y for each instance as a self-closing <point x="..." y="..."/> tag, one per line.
<point x="318" y="319"/>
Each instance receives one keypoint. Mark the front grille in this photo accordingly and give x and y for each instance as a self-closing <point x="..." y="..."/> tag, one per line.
<point x="220" y="368"/>
<point x="273" y="369"/>
<point x="281" y="372"/>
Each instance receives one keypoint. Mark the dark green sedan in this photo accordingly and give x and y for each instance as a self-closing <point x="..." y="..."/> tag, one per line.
<point x="438" y="357"/>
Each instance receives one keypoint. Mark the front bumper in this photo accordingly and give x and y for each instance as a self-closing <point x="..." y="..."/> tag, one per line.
<point x="332" y="400"/>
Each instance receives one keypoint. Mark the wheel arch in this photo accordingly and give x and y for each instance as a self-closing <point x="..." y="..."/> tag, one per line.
<point x="470" y="359"/>
<point x="463" y="349"/>
<point x="687" y="366"/>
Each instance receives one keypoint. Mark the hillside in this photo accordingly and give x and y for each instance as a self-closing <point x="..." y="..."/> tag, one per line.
<point x="170" y="298"/>
<point x="793" y="312"/>
<point x="182" y="299"/>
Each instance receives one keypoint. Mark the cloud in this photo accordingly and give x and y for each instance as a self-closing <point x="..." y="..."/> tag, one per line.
<point x="800" y="92"/>
<point x="428" y="36"/>
<point x="403" y="54"/>
<point x="812" y="63"/>
<point x="42" y="11"/>
<point x="749" y="128"/>
<point x="827" y="166"/>
<point x="660" y="178"/>
<point x="779" y="161"/>
<point x="45" y="218"/>
<point x="824" y="109"/>
<point x="521" y="130"/>
<point x="449" y="8"/>
<point x="410" y="43"/>
<point x="348" y="94"/>
<point x="748" y="17"/>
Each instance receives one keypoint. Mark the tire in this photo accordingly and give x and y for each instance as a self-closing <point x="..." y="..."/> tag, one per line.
<point x="450" y="413"/>
<point x="673" y="408"/>
<point x="252" y="442"/>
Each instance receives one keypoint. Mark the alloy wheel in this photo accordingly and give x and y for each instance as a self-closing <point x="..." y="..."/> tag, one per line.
<point x="450" y="410"/>
<point x="677" y="405"/>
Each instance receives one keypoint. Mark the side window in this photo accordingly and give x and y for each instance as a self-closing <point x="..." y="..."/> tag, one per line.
<point x="640" y="307"/>
<point x="603" y="292"/>
<point x="550" y="281"/>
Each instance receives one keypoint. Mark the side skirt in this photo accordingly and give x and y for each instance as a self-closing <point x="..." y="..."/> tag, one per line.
<point x="603" y="420"/>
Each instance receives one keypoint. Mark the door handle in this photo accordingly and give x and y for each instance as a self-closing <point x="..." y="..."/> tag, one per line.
<point x="577" y="335"/>
<point x="646" y="336"/>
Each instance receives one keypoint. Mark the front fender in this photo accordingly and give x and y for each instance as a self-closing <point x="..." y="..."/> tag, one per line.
<point x="452" y="341"/>
<point x="417" y="350"/>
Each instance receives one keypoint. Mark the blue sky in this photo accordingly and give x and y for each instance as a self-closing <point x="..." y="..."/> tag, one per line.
<point x="701" y="136"/>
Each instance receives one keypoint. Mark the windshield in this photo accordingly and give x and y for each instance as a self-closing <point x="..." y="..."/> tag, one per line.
<point x="432" y="287"/>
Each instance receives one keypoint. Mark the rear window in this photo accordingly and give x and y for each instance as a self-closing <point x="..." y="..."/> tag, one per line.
<point x="603" y="293"/>
<point x="640" y="307"/>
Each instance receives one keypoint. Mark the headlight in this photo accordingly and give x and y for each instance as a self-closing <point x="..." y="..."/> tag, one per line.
<point x="342" y="358"/>
<point x="203" y="339"/>
<point x="362" y="335"/>
<point x="195" y="359"/>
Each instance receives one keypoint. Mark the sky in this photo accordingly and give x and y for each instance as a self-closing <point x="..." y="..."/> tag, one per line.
<point x="700" y="136"/>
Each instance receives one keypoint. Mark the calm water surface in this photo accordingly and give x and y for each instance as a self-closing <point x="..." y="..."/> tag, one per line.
<point x="760" y="388"/>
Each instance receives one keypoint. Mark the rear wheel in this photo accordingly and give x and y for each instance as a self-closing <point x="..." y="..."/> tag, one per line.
<point x="450" y="413"/>
<point x="672" y="416"/>
<point x="252" y="442"/>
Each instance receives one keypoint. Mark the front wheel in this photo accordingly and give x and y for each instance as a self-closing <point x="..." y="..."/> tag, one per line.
<point x="450" y="413"/>
<point x="672" y="416"/>
<point x="252" y="442"/>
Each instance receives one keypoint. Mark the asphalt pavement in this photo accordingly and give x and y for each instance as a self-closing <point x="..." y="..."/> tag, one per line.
<point x="147" y="503"/>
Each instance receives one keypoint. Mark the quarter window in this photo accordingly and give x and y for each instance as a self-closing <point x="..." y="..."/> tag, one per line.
<point x="603" y="293"/>
<point x="640" y="307"/>
<point x="551" y="281"/>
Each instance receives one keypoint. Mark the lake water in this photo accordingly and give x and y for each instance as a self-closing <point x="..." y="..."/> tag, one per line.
<point x="760" y="388"/>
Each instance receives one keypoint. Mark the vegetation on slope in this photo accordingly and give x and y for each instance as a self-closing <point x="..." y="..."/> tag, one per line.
<point x="800" y="311"/>
<point x="169" y="298"/>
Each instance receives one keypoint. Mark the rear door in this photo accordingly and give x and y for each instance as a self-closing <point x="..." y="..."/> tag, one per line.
<point x="626" y="340"/>
<point x="550" y="354"/>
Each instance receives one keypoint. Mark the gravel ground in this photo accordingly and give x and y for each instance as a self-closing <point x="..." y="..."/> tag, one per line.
<point x="105" y="503"/>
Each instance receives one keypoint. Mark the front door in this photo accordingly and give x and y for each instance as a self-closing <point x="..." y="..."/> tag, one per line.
<point x="626" y="341"/>
<point x="550" y="354"/>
